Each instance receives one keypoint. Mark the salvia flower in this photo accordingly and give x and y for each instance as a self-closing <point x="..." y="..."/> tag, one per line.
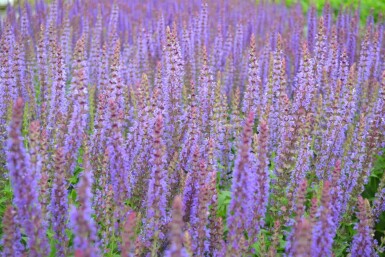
<point x="156" y="216"/>
<point x="176" y="235"/>
<point x="25" y="183"/>
<point x="59" y="203"/>
<point x="81" y="219"/>
<point x="301" y="238"/>
<point x="265" y="121"/>
<point x="363" y="242"/>
<point x="128" y="235"/>
<point x="323" y="230"/>
<point x="11" y="239"/>
<point x="239" y="211"/>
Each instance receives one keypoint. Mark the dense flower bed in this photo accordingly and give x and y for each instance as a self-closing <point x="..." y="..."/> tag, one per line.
<point x="180" y="128"/>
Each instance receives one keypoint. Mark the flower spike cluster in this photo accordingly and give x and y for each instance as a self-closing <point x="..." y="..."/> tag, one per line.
<point x="190" y="128"/>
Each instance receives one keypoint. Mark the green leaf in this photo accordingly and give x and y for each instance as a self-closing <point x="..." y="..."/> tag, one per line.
<point x="73" y="196"/>
<point x="224" y="198"/>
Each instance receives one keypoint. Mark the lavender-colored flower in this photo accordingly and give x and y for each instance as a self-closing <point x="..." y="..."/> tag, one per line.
<point x="156" y="202"/>
<point x="191" y="183"/>
<point x="239" y="213"/>
<point x="278" y="87"/>
<point x="200" y="211"/>
<point x="58" y="102"/>
<point x="320" y="50"/>
<point x="312" y="27"/>
<point x="305" y="82"/>
<point x="251" y="98"/>
<point x="301" y="238"/>
<point x="59" y="204"/>
<point x="261" y="181"/>
<point x="81" y="220"/>
<point x="78" y="120"/>
<point x="176" y="235"/>
<point x="363" y="242"/>
<point x="128" y="235"/>
<point x="155" y="93"/>
<point x="11" y="239"/>
<point x="379" y="200"/>
<point x="323" y="231"/>
<point x="291" y="246"/>
<point x="24" y="185"/>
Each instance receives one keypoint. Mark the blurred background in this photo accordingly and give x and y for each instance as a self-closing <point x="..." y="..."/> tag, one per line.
<point x="367" y="7"/>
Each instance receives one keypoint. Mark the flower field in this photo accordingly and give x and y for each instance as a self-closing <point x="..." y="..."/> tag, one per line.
<point x="185" y="128"/>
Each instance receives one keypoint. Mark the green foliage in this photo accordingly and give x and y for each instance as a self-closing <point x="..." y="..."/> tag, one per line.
<point x="5" y="199"/>
<point x="371" y="189"/>
<point x="344" y="236"/>
<point x="366" y="7"/>
<point x="224" y="198"/>
<point x="25" y="127"/>
<point x="261" y="247"/>
<point x="112" y="247"/>
<point x="52" y="242"/>
<point x="37" y="88"/>
<point x="92" y="108"/>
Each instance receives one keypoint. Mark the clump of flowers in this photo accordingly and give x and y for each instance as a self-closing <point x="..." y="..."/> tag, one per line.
<point x="185" y="128"/>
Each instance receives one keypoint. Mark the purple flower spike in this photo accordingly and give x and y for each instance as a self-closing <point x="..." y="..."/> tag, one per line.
<point x="239" y="213"/>
<point x="323" y="231"/>
<point x="11" y="240"/>
<point x="176" y="234"/>
<point x="24" y="185"/>
<point x="156" y="202"/>
<point x="59" y="204"/>
<point x="81" y="220"/>
<point x="363" y="244"/>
